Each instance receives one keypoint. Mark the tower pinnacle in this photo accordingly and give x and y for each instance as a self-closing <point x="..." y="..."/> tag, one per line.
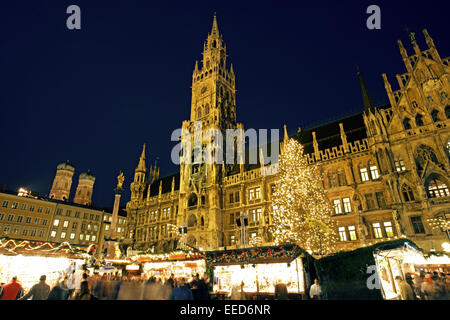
<point x="368" y="105"/>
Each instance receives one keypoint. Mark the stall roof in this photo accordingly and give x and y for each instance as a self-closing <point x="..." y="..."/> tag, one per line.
<point x="255" y="255"/>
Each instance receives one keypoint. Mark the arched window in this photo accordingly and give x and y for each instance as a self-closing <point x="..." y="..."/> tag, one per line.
<point x="436" y="188"/>
<point x="447" y="111"/>
<point x="202" y="221"/>
<point x="192" y="221"/>
<point x="192" y="200"/>
<point x="424" y="154"/>
<point x="199" y="113"/>
<point x="206" y="109"/>
<point x="407" y="123"/>
<point x="435" y="115"/>
<point x="419" y="120"/>
<point x="408" y="194"/>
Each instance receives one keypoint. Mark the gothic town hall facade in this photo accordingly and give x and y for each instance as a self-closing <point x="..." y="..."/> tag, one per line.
<point x="385" y="169"/>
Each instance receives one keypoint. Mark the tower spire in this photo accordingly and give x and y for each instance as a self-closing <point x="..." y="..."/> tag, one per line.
<point x="215" y="28"/>
<point x="141" y="165"/>
<point x="368" y="105"/>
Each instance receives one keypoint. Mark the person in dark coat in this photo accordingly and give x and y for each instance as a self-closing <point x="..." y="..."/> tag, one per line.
<point x="281" y="291"/>
<point x="182" y="292"/>
<point x="59" y="291"/>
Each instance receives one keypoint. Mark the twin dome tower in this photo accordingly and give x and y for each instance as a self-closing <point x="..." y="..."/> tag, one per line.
<point x="63" y="182"/>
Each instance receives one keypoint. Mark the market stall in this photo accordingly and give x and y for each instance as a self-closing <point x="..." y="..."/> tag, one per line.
<point x="28" y="260"/>
<point x="180" y="263"/>
<point x="368" y="273"/>
<point x="257" y="270"/>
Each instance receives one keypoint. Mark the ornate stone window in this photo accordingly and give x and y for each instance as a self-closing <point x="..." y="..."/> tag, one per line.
<point x="424" y="154"/>
<point x="407" y="123"/>
<point x="435" y="115"/>
<point x="192" y="221"/>
<point x="419" y="120"/>
<point x="192" y="200"/>
<point x="407" y="193"/>
<point x="399" y="164"/>
<point x="436" y="187"/>
<point x="342" y="181"/>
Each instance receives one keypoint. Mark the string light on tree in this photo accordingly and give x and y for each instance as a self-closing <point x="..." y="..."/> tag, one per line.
<point x="301" y="210"/>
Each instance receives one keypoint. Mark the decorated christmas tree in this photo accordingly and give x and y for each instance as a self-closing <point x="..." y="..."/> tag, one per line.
<point x="301" y="210"/>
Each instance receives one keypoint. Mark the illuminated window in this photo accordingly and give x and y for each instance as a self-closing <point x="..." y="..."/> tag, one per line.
<point x="377" y="230"/>
<point x="374" y="172"/>
<point x="72" y="236"/>
<point x="437" y="189"/>
<point x="337" y="206"/>
<point x="399" y="164"/>
<point x="352" y="232"/>
<point x="347" y="205"/>
<point x="93" y="238"/>
<point x="81" y="236"/>
<point x="388" y="229"/>
<point x="63" y="235"/>
<point x="232" y="240"/>
<point x="364" y="174"/>
<point x="65" y="224"/>
<point x="56" y="222"/>
<point x="15" y="205"/>
<point x="255" y="193"/>
<point x="88" y="237"/>
<point x="119" y="229"/>
<point x="342" y="234"/>
<point x="53" y="234"/>
<point x="89" y="226"/>
<point x="107" y="227"/>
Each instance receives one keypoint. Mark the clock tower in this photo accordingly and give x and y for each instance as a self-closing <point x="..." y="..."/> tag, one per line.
<point x="213" y="107"/>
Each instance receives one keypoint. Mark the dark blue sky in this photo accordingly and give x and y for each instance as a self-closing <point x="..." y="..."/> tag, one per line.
<point x="95" y="95"/>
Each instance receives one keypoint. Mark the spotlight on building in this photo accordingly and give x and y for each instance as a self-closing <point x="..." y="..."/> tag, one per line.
<point x="23" y="192"/>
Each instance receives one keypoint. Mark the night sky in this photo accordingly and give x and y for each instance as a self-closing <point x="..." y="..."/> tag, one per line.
<point x="94" y="96"/>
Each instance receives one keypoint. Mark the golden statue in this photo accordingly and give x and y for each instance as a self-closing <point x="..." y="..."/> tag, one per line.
<point x="120" y="180"/>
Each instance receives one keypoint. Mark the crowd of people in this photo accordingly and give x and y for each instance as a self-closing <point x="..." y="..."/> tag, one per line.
<point x="83" y="286"/>
<point x="424" y="286"/>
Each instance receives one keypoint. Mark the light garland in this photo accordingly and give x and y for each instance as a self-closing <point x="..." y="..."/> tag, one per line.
<point x="175" y="255"/>
<point x="13" y="247"/>
<point x="301" y="209"/>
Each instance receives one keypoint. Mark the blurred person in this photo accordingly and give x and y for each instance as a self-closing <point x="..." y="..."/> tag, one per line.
<point x="427" y="287"/>
<point x="60" y="291"/>
<point x="39" y="291"/>
<point x="406" y="292"/>
<point x="171" y="280"/>
<point x="166" y="291"/>
<point x="418" y="286"/>
<point x="181" y="292"/>
<point x="12" y="290"/>
<point x="281" y="291"/>
<point x="439" y="288"/>
<point x="194" y="285"/>
<point x="315" y="291"/>
<point x="235" y="291"/>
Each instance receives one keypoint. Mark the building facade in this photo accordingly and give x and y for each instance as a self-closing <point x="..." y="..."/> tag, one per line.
<point x="385" y="169"/>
